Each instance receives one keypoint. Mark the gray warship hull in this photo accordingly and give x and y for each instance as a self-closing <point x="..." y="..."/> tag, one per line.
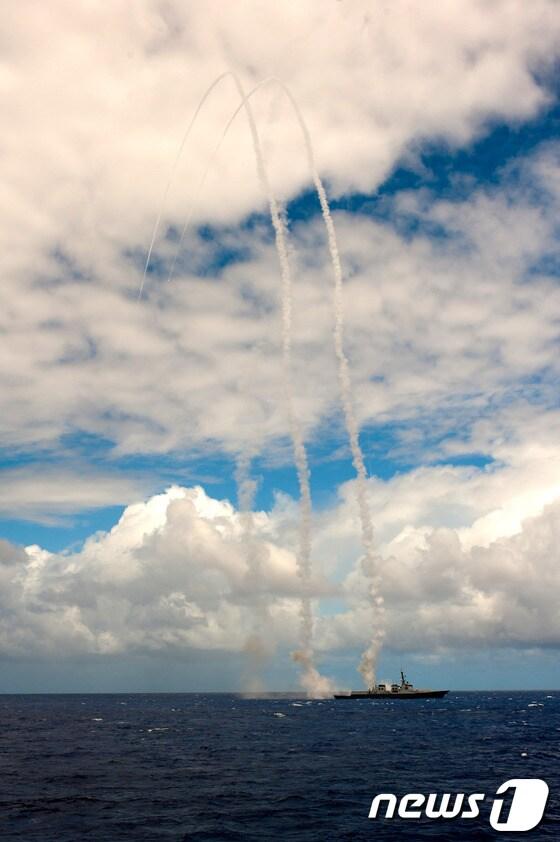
<point x="401" y="694"/>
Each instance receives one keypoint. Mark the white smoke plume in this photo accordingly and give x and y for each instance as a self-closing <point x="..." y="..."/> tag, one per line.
<point x="256" y="650"/>
<point x="317" y="686"/>
<point x="311" y="680"/>
<point x="366" y="667"/>
<point x="370" y="562"/>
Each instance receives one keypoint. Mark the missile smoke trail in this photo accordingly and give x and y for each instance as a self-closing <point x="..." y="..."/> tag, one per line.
<point x="311" y="679"/>
<point x="246" y="489"/>
<point x="369" y="562"/>
<point x="254" y="648"/>
<point x="186" y="135"/>
<point x="243" y="105"/>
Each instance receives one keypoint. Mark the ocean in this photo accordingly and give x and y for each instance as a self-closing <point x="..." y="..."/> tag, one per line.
<point x="223" y="767"/>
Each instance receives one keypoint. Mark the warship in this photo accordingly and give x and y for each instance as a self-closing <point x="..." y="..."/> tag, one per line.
<point x="404" y="690"/>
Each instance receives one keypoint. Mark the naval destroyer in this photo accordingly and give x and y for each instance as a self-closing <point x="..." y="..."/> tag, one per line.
<point x="404" y="690"/>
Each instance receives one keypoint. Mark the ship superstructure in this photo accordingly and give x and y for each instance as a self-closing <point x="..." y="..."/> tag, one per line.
<point x="404" y="690"/>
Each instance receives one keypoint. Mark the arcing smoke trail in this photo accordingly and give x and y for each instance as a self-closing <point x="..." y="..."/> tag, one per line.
<point x="280" y="232"/>
<point x="186" y="135"/>
<point x="243" y="105"/>
<point x="313" y="682"/>
<point x="369" y="561"/>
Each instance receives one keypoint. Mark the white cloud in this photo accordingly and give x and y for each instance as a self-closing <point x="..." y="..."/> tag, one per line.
<point x="500" y="595"/>
<point x="95" y="97"/>
<point x="94" y="100"/>
<point x="441" y="329"/>
<point x="49" y="492"/>
<point x="172" y="575"/>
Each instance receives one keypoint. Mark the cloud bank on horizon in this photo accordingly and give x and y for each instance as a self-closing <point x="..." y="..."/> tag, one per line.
<point x="172" y="574"/>
<point x="451" y="301"/>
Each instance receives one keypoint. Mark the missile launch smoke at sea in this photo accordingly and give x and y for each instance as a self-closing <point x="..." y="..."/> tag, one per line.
<point x="312" y="681"/>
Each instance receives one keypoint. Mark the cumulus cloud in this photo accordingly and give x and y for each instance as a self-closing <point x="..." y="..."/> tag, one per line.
<point x="444" y="597"/>
<point x="172" y="576"/>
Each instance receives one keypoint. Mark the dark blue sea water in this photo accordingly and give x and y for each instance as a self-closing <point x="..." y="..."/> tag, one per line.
<point x="221" y="767"/>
